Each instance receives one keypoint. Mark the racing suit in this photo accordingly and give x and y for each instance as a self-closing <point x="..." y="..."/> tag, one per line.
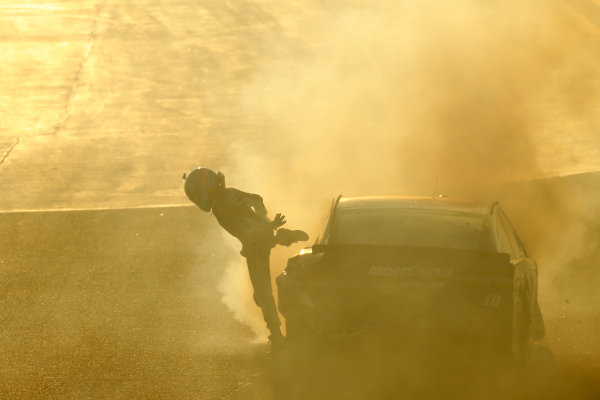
<point x="244" y="216"/>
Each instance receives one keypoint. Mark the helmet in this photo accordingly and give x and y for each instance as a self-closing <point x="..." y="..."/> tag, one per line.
<point x="202" y="186"/>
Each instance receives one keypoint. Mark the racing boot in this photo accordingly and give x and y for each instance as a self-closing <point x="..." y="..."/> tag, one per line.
<point x="286" y="237"/>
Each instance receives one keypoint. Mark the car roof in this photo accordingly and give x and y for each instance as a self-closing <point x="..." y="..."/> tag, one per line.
<point x="423" y="203"/>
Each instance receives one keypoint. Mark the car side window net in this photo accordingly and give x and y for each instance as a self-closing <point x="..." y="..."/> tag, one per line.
<point x="503" y="243"/>
<point x="515" y="243"/>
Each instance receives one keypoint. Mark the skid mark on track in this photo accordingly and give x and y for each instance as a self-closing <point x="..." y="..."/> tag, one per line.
<point x="79" y="73"/>
<point x="10" y="149"/>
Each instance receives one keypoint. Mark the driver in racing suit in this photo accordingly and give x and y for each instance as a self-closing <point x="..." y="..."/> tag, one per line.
<point x="244" y="216"/>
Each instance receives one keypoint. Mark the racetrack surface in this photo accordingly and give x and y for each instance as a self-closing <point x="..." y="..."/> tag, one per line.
<point x="105" y="103"/>
<point x="120" y="304"/>
<point x="124" y="304"/>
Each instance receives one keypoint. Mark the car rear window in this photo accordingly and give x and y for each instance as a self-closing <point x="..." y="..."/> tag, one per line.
<point x="412" y="227"/>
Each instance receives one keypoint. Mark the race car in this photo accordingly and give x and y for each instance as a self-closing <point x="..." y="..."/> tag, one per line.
<point x="414" y="266"/>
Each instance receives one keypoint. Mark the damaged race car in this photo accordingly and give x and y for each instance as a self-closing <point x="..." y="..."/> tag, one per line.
<point x="414" y="266"/>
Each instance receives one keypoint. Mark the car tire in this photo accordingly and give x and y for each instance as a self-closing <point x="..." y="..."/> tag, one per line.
<point x="299" y="333"/>
<point x="302" y="346"/>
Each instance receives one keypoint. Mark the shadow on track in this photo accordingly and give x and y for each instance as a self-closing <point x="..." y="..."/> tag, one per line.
<point x="374" y="368"/>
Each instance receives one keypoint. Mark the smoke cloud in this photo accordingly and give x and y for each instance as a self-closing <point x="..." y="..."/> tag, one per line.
<point x="388" y="97"/>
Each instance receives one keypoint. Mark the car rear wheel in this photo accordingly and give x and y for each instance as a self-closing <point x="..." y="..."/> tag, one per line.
<point x="299" y="333"/>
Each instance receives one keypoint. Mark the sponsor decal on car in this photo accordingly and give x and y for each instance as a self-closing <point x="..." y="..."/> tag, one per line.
<point x="412" y="318"/>
<point x="411" y="272"/>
